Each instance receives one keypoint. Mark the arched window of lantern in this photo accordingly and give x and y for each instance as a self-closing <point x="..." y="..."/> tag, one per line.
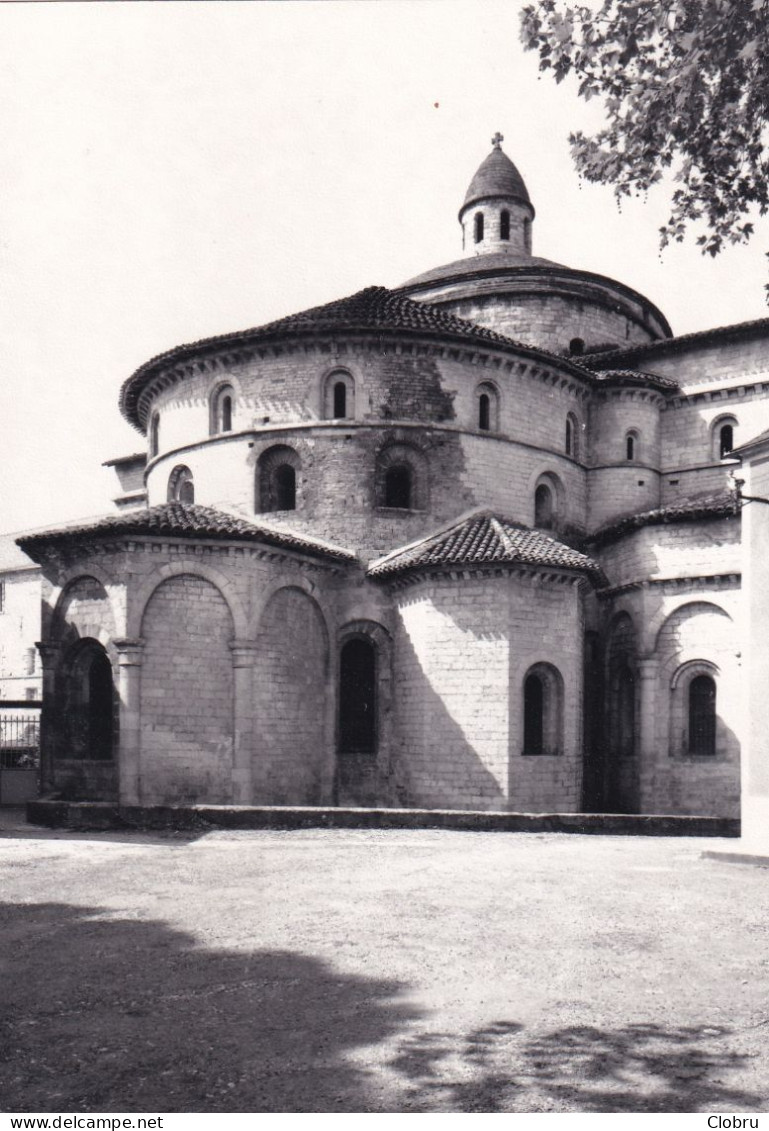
<point x="478" y="226"/>
<point x="527" y="234"/>
<point x="694" y="711"/>
<point x="154" y="434"/>
<point x="632" y="446"/>
<point x="571" y="443"/>
<point x="222" y="409"/>
<point x="577" y="347"/>
<point x="543" y="710"/>
<point x="181" y="486"/>
<point x="504" y="224"/>
<point x="277" y="479"/>
<point x="487" y="407"/>
<point x="401" y="478"/>
<point x="339" y="396"/>
<point x="723" y="436"/>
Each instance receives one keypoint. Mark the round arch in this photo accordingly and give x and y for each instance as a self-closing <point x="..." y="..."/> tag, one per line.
<point x="75" y="574"/>
<point x="658" y="622"/>
<point x="219" y="580"/>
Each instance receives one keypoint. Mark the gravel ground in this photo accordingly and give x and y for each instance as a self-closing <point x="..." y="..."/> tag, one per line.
<point x="379" y="971"/>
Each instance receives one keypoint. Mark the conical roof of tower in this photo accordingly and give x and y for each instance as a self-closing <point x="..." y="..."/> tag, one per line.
<point x="496" y="176"/>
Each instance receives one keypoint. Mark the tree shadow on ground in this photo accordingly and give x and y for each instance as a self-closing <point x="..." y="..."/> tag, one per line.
<point x="636" y="1068"/>
<point x="101" y="1012"/>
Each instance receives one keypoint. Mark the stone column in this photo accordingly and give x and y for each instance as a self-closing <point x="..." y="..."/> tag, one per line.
<point x="129" y="658"/>
<point x="243" y="659"/>
<point x="648" y="737"/>
<point x="49" y="658"/>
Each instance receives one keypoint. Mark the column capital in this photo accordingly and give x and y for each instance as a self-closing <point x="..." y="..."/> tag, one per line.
<point x="648" y="667"/>
<point x="243" y="653"/>
<point x="49" y="652"/>
<point x="129" y="652"/>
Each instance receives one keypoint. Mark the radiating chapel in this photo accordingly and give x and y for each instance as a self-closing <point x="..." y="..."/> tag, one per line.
<point x="470" y="543"/>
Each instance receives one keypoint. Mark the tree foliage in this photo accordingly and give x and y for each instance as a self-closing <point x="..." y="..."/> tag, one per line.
<point x="685" y="86"/>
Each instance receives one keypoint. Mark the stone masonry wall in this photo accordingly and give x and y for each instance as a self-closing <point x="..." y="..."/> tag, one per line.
<point x="463" y="648"/>
<point x="186" y="695"/>
<point x="292" y="761"/>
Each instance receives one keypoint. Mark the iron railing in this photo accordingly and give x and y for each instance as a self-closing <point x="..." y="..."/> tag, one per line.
<point x="19" y="738"/>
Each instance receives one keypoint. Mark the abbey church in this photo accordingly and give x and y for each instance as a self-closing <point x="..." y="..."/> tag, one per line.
<point x="471" y="543"/>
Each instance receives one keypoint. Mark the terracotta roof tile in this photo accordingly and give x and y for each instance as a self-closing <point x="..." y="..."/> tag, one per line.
<point x="372" y="309"/>
<point x="184" y="520"/>
<point x="635" y="377"/>
<point x="724" y="504"/>
<point x="485" y="538"/>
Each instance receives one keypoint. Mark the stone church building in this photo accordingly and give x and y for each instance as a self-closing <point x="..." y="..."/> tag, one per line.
<point x="470" y="543"/>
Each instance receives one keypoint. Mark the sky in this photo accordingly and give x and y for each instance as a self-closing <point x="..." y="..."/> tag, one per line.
<point x="170" y="171"/>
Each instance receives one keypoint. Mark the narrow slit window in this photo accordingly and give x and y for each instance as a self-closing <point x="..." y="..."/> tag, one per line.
<point x="726" y="440"/>
<point x="340" y="400"/>
<point x="504" y="225"/>
<point x="543" y="507"/>
<point x="226" y="413"/>
<point x="285" y="487"/>
<point x="569" y="444"/>
<point x="484" y="412"/>
<point x="533" y="715"/>
<point x="702" y="715"/>
<point x="630" y="448"/>
<point x="478" y="227"/>
<point x="398" y="487"/>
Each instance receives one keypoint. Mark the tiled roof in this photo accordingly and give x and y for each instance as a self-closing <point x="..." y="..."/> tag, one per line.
<point x="675" y="345"/>
<point x="725" y="504"/>
<point x="496" y="176"/>
<point x="185" y="520"/>
<point x="484" y="538"/>
<point x="374" y="308"/>
<point x="635" y="377"/>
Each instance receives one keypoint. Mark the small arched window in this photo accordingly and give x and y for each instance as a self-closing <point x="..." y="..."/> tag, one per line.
<point x="504" y="225"/>
<point x="723" y="437"/>
<point x="542" y="710"/>
<point x="222" y="409"/>
<point x="577" y="346"/>
<point x="544" y="507"/>
<point x="154" y="434"/>
<point x="631" y="447"/>
<point x="277" y="479"/>
<point x="702" y="715"/>
<point x="398" y="487"/>
<point x="487" y="401"/>
<point x="401" y="478"/>
<point x="478" y="227"/>
<point x="181" y="486"/>
<point x="339" y="396"/>
<point x="527" y="234"/>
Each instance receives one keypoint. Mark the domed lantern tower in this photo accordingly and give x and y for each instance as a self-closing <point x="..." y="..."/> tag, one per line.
<point x="497" y="214"/>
